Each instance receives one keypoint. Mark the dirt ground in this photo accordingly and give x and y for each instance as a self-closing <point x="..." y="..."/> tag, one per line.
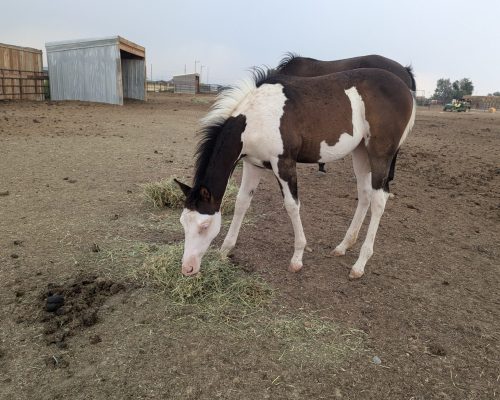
<point x="72" y="216"/>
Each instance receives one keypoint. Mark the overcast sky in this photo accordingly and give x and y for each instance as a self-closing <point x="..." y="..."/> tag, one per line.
<point x="452" y="39"/>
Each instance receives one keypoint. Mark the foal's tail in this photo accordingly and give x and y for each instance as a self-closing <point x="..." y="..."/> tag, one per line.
<point x="409" y="69"/>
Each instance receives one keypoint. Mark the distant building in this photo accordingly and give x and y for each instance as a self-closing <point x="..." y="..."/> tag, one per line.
<point x="105" y="70"/>
<point x="189" y="83"/>
<point x="21" y="73"/>
<point x="160" y="86"/>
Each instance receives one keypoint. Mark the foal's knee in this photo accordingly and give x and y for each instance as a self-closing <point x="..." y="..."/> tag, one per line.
<point x="292" y="205"/>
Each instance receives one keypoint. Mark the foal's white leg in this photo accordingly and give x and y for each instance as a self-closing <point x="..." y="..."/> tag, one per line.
<point x="249" y="182"/>
<point x="378" y="199"/>
<point x="293" y="208"/>
<point x="361" y="165"/>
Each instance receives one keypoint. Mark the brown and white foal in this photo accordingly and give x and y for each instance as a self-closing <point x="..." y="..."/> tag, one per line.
<point x="274" y="122"/>
<point x="295" y="65"/>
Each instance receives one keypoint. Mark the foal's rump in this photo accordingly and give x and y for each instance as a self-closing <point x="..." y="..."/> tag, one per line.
<point x="332" y="114"/>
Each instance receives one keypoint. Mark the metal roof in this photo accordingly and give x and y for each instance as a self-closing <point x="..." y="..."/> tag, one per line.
<point x="124" y="44"/>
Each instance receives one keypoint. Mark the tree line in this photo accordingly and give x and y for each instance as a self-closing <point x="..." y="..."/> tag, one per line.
<point x="446" y="90"/>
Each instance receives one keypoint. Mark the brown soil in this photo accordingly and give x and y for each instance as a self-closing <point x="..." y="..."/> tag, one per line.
<point x="78" y="309"/>
<point x="73" y="222"/>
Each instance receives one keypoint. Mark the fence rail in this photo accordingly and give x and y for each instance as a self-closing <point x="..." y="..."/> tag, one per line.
<point x="159" y="86"/>
<point x="23" y="85"/>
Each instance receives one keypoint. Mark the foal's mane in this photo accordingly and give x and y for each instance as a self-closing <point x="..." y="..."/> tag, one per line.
<point x="287" y="59"/>
<point x="213" y="123"/>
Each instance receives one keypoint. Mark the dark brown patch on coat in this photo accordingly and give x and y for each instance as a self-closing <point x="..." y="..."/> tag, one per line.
<point x="318" y="109"/>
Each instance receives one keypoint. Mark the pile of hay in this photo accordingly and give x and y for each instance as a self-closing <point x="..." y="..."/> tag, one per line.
<point x="219" y="282"/>
<point x="166" y="193"/>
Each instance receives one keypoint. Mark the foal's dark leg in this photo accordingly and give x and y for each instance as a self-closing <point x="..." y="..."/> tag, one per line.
<point x="321" y="167"/>
<point x="391" y="171"/>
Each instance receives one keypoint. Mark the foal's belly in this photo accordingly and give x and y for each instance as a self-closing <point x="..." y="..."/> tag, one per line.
<point x="324" y="152"/>
<point x="345" y="145"/>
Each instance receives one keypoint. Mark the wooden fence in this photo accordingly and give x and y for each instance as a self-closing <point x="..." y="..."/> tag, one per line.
<point x="23" y="85"/>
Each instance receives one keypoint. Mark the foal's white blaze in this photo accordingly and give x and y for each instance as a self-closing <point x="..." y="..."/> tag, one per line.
<point x="263" y="111"/>
<point x="199" y="231"/>
<point x="347" y="143"/>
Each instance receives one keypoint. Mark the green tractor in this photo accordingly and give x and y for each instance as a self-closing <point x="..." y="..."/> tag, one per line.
<point x="457" y="105"/>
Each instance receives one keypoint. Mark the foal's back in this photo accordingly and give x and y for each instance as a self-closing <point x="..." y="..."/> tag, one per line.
<point x="309" y="67"/>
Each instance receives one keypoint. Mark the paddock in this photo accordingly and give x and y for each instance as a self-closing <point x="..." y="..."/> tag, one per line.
<point x="427" y="305"/>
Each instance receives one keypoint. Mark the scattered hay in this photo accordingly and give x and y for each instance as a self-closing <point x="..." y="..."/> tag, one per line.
<point x="229" y="199"/>
<point x="166" y="193"/>
<point x="220" y="282"/>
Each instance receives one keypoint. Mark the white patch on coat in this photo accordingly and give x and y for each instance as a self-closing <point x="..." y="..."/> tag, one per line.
<point x="199" y="230"/>
<point x="347" y="143"/>
<point x="263" y="110"/>
<point x="410" y="124"/>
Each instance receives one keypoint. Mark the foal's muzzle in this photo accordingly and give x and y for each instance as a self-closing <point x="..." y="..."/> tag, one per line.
<point x="191" y="266"/>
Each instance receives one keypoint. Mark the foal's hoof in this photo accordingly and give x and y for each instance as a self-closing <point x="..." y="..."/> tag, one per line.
<point x="355" y="274"/>
<point x="226" y="248"/>
<point x="295" y="267"/>
<point x="338" y="251"/>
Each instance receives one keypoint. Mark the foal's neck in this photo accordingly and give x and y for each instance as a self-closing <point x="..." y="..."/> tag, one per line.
<point x="224" y="155"/>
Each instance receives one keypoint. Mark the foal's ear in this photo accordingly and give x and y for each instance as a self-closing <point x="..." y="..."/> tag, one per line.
<point x="205" y="194"/>
<point x="185" y="188"/>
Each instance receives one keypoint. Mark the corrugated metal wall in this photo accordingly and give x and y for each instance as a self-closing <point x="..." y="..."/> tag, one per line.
<point x="87" y="74"/>
<point x="104" y="70"/>
<point x="134" y="79"/>
<point x="17" y="66"/>
<point x="189" y="84"/>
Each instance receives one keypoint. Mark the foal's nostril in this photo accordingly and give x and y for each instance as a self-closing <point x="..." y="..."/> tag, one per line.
<point x="189" y="270"/>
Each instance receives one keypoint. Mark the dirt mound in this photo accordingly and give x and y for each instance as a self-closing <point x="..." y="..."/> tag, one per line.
<point x="74" y="306"/>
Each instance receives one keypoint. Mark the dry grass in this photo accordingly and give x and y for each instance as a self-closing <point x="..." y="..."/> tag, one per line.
<point x="219" y="283"/>
<point x="224" y="301"/>
<point x="233" y="306"/>
<point x="166" y="193"/>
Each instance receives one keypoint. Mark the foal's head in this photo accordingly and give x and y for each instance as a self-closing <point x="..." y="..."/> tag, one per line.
<point x="201" y="220"/>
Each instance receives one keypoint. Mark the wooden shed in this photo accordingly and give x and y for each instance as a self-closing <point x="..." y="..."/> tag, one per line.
<point x="21" y="73"/>
<point x="189" y="83"/>
<point x="104" y="70"/>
